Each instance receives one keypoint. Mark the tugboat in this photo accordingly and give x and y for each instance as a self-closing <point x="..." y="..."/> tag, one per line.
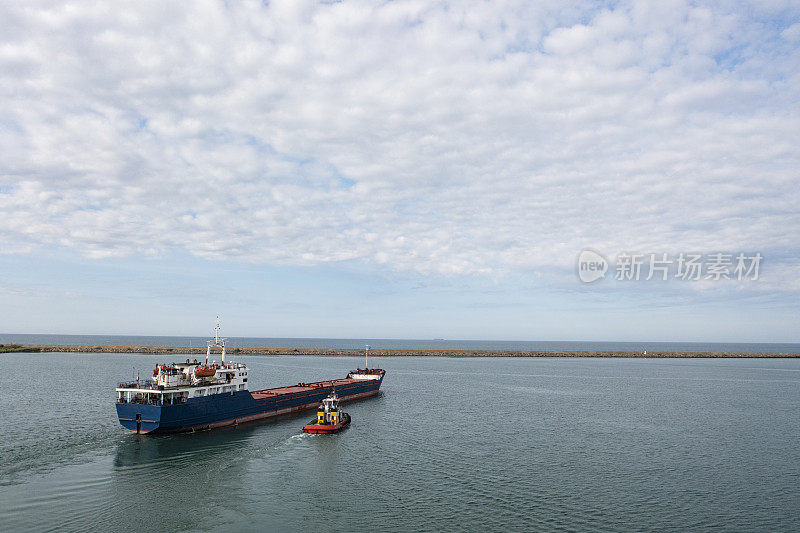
<point x="329" y="418"/>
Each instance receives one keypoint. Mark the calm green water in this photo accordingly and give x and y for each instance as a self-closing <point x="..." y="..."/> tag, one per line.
<point x="450" y="444"/>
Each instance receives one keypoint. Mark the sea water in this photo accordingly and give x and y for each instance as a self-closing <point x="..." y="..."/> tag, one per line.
<point x="477" y="444"/>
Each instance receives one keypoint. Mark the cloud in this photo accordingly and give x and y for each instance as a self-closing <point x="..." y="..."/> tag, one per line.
<point x="424" y="137"/>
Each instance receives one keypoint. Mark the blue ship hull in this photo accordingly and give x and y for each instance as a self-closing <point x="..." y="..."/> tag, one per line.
<point x="228" y="409"/>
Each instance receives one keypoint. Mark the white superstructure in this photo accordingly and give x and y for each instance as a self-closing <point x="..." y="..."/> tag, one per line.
<point x="366" y="373"/>
<point x="177" y="382"/>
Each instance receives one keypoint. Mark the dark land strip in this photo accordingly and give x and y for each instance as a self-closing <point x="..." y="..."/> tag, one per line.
<point x="376" y="352"/>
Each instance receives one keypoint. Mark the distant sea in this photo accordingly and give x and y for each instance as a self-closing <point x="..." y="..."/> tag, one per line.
<point x="403" y="344"/>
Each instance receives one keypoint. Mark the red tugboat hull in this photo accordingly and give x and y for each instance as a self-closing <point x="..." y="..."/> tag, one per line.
<point x="316" y="428"/>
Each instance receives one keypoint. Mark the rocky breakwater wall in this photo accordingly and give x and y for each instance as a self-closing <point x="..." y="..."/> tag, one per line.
<point x="346" y="352"/>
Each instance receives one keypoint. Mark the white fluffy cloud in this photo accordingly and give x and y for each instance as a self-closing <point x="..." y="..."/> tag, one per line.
<point x="433" y="137"/>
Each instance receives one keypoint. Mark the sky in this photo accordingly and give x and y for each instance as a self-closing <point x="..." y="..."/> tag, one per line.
<point x="407" y="169"/>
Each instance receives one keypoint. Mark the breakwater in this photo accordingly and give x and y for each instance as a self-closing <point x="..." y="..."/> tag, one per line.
<point x="376" y="352"/>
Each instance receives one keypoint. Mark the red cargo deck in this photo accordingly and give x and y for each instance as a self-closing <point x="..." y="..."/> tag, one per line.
<point x="302" y="387"/>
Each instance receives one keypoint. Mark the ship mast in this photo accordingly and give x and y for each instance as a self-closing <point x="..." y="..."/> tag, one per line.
<point x="217" y="342"/>
<point x="366" y="355"/>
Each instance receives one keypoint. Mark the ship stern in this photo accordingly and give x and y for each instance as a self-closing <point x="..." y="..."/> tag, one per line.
<point x="138" y="417"/>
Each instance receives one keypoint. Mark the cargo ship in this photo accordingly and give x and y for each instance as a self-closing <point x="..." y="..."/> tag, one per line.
<point x="196" y="395"/>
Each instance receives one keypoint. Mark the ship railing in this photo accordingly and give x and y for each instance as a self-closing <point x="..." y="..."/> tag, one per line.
<point x="152" y="397"/>
<point x="138" y="385"/>
<point x="160" y="401"/>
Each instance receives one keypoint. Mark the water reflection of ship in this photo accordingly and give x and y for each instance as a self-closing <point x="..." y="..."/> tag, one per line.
<point x="170" y="475"/>
<point x="149" y="453"/>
